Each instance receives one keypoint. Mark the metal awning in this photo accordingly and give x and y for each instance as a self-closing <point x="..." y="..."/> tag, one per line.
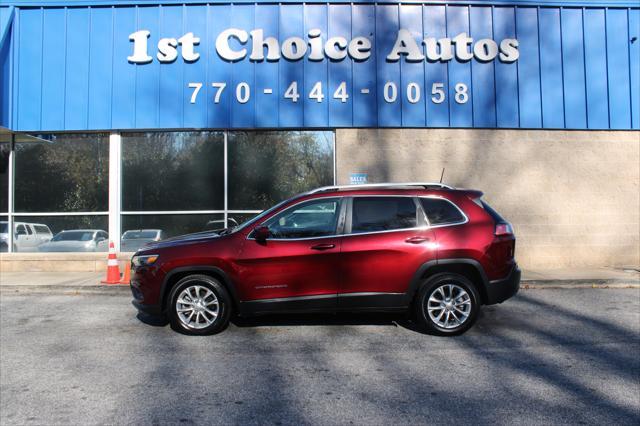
<point x="7" y="136"/>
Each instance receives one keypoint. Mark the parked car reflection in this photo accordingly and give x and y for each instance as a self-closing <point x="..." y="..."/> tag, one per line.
<point x="26" y="236"/>
<point x="218" y="225"/>
<point x="79" y="240"/>
<point x="133" y="239"/>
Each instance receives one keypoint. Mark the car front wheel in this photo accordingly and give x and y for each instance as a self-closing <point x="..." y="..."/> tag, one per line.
<point x="447" y="304"/>
<point x="200" y="305"/>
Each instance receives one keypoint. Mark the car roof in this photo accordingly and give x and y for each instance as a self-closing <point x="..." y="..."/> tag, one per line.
<point x="413" y="188"/>
<point x="382" y="186"/>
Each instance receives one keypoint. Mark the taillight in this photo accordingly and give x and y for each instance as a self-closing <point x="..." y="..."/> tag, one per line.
<point x="503" y="229"/>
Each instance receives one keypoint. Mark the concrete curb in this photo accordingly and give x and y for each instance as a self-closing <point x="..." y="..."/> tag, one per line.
<point x="581" y="283"/>
<point x="549" y="285"/>
<point x="67" y="289"/>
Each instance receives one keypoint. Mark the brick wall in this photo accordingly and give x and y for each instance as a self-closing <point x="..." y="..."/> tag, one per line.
<point x="572" y="196"/>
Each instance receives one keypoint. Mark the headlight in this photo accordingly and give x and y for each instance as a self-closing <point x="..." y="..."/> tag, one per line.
<point x="144" y="260"/>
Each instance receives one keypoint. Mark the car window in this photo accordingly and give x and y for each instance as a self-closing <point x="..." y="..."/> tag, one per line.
<point x="316" y="218"/>
<point x="73" y="236"/>
<point x="371" y="214"/>
<point x="41" y="229"/>
<point x="441" y="212"/>
<point x="137" y="235"/>
<point x="21" y="230"/>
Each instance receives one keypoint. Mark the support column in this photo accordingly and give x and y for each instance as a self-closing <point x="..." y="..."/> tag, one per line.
<point x="115" y="184"/>
<point x="11" y="171"/>
<point x="226" y="179"/>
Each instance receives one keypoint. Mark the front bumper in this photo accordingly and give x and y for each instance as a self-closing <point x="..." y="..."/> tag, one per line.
<point x="142" y="296"/>
<point x="500" y="290"/>
<point x="153" y="310"/>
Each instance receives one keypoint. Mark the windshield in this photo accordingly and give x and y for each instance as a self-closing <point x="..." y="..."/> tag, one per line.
<point x="138" y="235"/>
<point x="73" y="236"/>
<point x="3" y="228"/>
<point x="260" y="216"/>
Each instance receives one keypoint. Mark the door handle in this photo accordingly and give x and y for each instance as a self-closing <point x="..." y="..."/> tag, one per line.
<point x="416" y="240"/>
<point x="323" y="246"/>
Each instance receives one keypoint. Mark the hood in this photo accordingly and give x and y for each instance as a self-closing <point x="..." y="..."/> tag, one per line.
<point x="181" y="240"/>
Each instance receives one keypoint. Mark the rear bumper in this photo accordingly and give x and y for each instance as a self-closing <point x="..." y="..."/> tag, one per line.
<point x="500" y="290"/>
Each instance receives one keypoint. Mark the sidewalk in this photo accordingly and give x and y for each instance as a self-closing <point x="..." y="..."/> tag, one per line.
<point x="576" y="278"/>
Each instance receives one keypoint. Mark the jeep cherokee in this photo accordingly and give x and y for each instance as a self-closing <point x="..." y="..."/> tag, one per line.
<point x="427" y="248"/>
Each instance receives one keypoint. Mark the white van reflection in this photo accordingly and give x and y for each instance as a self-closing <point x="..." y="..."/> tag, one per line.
<point x="133" y="239"/>
<point x="79" y="240"/>
<point x="26" y="236"/>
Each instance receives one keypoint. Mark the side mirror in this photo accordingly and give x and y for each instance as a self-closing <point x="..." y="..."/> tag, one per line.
<point x="261" y="233"/>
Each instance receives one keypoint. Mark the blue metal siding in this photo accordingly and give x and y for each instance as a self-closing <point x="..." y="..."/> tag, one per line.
<point x="577" y="68"/>
<point x="618" y="69"/>
<point x="6" y="40"/>
<point x="634" y="69"/>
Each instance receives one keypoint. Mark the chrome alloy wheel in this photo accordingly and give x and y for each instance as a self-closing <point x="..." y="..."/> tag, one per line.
<point x="197" y="307"/>
<point x="449" y="306"/>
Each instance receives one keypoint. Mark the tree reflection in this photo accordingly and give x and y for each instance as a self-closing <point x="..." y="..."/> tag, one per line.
<point x="267" y="167"/>
<point x="69" y="174"/>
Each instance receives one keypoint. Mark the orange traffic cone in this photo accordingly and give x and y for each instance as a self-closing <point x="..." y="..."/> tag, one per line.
<point x="126" y="279"/>
<point x="113" y="271"/>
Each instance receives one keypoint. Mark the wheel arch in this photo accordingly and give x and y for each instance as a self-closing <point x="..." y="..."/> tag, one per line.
<point x="469" y="268"/>
<point x="175" y="275"/>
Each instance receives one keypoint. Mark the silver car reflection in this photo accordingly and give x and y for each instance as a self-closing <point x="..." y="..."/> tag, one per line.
<point x="79" y="240"/>
<point x="133" y="239"/>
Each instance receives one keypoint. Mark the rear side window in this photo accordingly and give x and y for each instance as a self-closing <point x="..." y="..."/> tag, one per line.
<point x="40" y="229"/>
<point x="441" y="212"/>
<point x="372" y="214"/>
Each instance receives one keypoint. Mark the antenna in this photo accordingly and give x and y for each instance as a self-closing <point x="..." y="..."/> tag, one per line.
<point x="442" y="175"/>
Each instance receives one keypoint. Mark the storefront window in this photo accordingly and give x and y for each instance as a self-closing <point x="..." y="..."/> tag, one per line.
<point x="173" y="171"/>
<point x="172" y="183"/>
<point x="142" y="228"/>
<point x="69" y="173"/>
<point x="268" y="167"/>
<point x="4" y="234"/>
<point x="85" y="233"/>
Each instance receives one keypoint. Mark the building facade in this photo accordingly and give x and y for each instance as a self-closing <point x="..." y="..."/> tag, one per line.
<point x="183" y="116"/>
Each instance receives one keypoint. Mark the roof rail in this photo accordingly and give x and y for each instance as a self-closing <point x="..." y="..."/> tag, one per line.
<point x="425" y="185"/>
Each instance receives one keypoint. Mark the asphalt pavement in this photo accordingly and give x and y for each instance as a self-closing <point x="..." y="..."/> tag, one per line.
<point x="548" y="356"/>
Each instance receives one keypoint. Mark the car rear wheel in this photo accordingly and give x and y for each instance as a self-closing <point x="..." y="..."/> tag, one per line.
<point x="200" y="305"/>
<point x="447" y="304"/>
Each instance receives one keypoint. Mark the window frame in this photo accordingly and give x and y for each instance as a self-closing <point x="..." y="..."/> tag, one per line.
<point x="426" y="217"/>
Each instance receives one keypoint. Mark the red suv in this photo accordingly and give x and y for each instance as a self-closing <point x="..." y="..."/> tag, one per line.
<point x="427" y="248"/>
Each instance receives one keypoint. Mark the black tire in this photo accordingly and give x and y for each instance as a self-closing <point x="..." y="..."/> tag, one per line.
<point x="430" y="288"/>
<point x="221" y="294"/>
